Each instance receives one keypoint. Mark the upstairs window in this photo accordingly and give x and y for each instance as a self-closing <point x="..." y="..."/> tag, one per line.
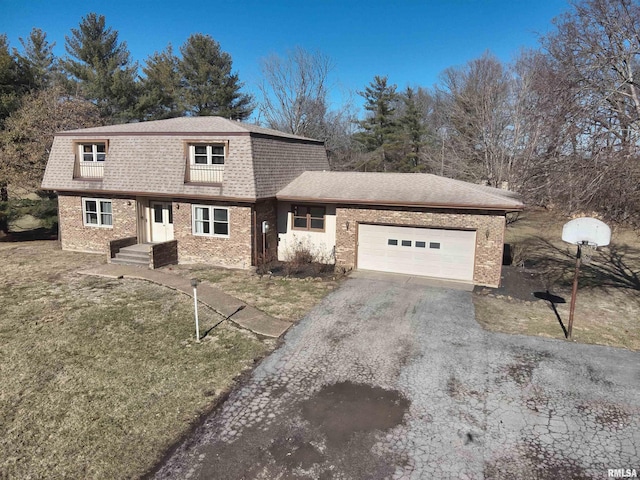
<point x="207" y="154"/>
<point x="308" y="217"/>
<point x="93" y="152"/>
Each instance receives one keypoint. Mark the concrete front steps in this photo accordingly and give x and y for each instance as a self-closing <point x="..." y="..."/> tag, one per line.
<point x="138" y="254"/>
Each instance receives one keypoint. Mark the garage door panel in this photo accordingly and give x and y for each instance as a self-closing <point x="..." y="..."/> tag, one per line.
<point x="454" y="259"/>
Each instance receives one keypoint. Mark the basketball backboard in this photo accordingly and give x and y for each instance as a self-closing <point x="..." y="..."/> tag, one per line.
<point x="586" y="230"/>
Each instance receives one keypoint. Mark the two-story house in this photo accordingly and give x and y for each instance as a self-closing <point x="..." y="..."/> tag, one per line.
<point x="207" y="189"/>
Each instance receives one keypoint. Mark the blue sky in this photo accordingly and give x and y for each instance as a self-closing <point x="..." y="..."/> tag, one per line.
<point x="410" y="41"/>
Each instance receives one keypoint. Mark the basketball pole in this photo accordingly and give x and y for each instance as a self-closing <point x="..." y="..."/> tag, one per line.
<point x="574" y="291"/>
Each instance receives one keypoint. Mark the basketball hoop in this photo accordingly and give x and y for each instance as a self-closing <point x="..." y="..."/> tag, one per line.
<point x="588" y="234"/>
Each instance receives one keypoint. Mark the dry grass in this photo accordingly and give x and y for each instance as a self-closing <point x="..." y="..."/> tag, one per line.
<point x="608" y="301"/>
<point x="283" y="298"/>
<point x="100" y="377"/>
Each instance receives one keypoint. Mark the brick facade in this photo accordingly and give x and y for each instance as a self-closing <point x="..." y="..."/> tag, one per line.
<point x="76" y="236"/>
<point x="489" y="234"/>
<point x="234" y="251"/>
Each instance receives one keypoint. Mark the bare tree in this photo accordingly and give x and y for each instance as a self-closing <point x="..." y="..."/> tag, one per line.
<point x="294" y="92"/>
<point x="476" y="100"/>
<point x="295" y="100"/>
<point x="26" y="141"/>
<point x="598" y="46"/>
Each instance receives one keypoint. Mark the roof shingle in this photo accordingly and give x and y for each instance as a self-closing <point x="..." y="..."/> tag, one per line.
<point x="402" y="189"/>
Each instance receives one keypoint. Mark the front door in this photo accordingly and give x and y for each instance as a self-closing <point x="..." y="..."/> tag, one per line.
<point x="161" y="221"/>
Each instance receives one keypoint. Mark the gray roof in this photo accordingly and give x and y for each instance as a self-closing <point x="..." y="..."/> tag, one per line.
<point x="150" y="158"/>
<point x="181" y="125"/>
<point x="402" y="189"/>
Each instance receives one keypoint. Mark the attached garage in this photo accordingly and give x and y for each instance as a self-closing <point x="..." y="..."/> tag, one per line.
<point x="408" y="223"/>
<point x="429" y="252"/>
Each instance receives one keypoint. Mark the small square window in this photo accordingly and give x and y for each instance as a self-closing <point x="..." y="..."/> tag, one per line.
<point x="406" y="243"/>
<point x="435" y="245"/>
<point x="208" y="220"/>
<point x="97" y="212"/>
<point x="421" y="244"/>
<point x="93" y="152"/>
<point x="207" y="154"/>
<point x="308" y="217"/>
<point x="392" y="241"/>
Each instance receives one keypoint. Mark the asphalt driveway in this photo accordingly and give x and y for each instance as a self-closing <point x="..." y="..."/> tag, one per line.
<point x="396" y="380"/>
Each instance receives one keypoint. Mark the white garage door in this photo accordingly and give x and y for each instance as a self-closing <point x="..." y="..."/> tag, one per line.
<point x="417" y="251"/>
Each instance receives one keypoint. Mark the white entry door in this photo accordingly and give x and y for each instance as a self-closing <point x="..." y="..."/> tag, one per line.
<point x="426" y="252"/>
<point x="161" y="221"/>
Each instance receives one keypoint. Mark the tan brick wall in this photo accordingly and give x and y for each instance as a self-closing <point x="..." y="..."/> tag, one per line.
<point x="76" y="236"/>
<point x="233" y="252"/>
<point x="489" y="235"/>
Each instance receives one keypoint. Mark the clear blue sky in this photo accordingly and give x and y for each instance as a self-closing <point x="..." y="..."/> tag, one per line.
<point x="410" y="41"/>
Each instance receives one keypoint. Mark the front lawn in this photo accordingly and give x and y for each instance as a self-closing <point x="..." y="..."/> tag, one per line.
<point x="100" y="377"/>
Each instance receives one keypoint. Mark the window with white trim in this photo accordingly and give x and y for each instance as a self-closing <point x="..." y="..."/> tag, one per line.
<point x="210" y="221"/>
<point x="207" y="154"/>
<point x="97" y="212"/>
<point x="93" y="152"/>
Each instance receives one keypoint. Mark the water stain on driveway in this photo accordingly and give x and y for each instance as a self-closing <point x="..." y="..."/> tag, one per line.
<point x="343" y="409"/>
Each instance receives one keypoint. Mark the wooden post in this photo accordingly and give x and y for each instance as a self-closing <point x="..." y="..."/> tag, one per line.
<point x="574" y="291"/>
<point x="255" y="235"/>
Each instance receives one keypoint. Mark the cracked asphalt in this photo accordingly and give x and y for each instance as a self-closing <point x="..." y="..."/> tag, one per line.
<point x="386" y="379"/>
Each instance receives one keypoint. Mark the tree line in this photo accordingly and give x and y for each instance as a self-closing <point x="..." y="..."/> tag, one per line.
<point x="559" y="124"/>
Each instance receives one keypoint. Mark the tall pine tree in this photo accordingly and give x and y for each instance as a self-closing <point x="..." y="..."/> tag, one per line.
<point x="38" y="59"/>
<point x="210" y="87"/>
<point x="413" y="133"/>
<point x="101" y="69"/>
<point x="161" y="90"/>
<point x="380" y="127"/>
<point x="14" y="81"/>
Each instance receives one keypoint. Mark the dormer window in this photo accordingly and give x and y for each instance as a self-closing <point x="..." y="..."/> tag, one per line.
<point x="207" y="154"/>
<point x="93" y="152"/>
<point x="90" y="159"/>
<point x="206" y="162"/>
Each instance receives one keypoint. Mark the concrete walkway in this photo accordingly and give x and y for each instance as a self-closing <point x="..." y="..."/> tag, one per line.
<point x="229" y="307"/>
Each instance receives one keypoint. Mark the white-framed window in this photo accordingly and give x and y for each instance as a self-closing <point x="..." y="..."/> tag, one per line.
<point x="210" y="221"/>
<point x="93" y="152"/>
<point x="97" y="212"/>
<point x="207" y="154"/>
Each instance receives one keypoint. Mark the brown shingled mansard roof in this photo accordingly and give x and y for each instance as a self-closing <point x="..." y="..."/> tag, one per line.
<point x="185" y="125"/>
<point x="149" y="159"/>
<point x="396" y="189"/>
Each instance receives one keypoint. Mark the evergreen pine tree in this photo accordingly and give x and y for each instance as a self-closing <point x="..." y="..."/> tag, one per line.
<point x="14" y="81"/>
<point x="210" y="87"/>
<point x="101" y="69"/>
<point x="380" y="126"/>
<point x="161" y="91"/>
<point x="38" y="59"/>
<point x="413" y="133"/>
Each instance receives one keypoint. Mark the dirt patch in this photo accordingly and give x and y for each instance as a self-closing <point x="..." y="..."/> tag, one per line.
<point x="344" y="409"/>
